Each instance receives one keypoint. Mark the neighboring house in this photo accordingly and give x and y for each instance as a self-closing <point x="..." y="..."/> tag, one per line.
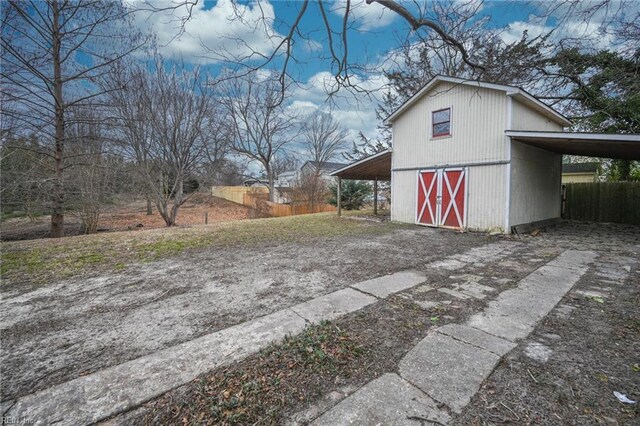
<point x="287" y="179"/>
<point x="256" y="182"/>
<point x="285" y="182"/>
<point x="579" y="172"/>
<point x="468" y="154"/>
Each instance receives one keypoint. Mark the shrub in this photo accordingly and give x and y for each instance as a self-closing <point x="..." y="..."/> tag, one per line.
<point x="353" y="194"/>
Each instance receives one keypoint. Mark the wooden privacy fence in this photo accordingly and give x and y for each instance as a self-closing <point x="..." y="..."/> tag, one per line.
<point x="268" y="208"/>
<point x="236" y="193"/>
<point x="617" y="202"/>
<point x="258" y="199"/>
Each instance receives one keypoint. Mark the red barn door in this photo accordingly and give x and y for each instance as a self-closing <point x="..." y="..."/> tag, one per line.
<point x="442" y="198"/>
<point x="428" y="213"/>
<point x="453" y="198"/>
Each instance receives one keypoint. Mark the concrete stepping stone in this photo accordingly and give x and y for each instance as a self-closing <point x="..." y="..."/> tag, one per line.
<point x="384" y="286"/>
<point x="424" y="288"/>
<point x="110" y="391"/>
<point x="94" y="397"/>
<point x="454" y="293"/>
<point x="534" y="297"/>
<point x="538" y="352"/>
<point x="591" y="293"/>
<point x="475" y="290"/>
<point x="448" y="370"/>
<point x="387" y="400"/>
<point x="478" y="288"/>
<point x="477" y="338"/>
<point x="333" y="305"/>
<point x="501" y="281"/>
<point x="448" y="264"/>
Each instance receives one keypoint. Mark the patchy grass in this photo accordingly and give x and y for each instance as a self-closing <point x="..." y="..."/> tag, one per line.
<point x="269" y="387"/>
<point x="256" y="391"/>
<point x="39" y="261"/>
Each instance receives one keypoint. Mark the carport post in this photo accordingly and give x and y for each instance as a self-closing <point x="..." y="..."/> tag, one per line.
<point x="375" y="196"/>
<point x="339" y="196"/>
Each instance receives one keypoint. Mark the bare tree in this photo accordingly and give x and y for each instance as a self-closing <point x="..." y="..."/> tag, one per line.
<point x="323" y="138"/>
<point x="262" y="128"/>
<point x="51" y="52"/>
<point x="24" y="181"/>
<point x="92" y="182"/>
<point x="166" y="116"/>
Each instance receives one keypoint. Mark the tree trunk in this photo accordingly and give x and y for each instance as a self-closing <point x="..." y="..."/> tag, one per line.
<point x="272" y="185"/>
<point x="57" y="207"/>
<point x="149" y="206"/>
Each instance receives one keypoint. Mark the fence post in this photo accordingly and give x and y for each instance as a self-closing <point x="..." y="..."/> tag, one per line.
<point x="339" y="191"/>
<point x="375" y="196"/>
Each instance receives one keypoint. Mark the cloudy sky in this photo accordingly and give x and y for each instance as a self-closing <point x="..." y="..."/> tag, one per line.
<point x="214" y="33"/>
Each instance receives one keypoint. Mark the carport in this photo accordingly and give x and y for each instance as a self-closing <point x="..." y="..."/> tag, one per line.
<point x="625" y="147"/>
<point x="618" y="146"/>
<point x="376" y="167"/>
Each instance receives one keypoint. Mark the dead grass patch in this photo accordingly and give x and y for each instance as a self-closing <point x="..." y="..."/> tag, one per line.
<point x="40" y="261"/>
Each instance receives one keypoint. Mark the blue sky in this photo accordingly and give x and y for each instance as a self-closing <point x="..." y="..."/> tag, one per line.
<point x="211" y="34"/>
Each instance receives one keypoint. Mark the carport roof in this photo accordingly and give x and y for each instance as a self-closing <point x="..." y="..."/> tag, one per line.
<point x="603" y="145"/>
<point x="377" y="166"/>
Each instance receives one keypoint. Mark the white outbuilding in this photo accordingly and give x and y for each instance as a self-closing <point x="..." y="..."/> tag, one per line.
<point x="482" y="156"/>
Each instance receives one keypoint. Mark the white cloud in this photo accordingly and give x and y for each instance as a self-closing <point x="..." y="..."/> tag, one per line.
<point x="514" y="31"/>
<point x="572" y="29"/>
<point x="226" y="29"/>
<point x="356" y="114"/>
<point x="366" y="16"/>
<point x="592" y="23"/>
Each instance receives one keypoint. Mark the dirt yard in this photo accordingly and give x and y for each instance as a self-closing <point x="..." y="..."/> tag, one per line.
<point x="104" y="314"/>
<point x="131" y="216"/>
<point x="60" y="329"/>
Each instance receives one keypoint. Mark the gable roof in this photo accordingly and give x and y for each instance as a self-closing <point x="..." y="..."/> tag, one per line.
<point x="512" y="91"/>
<point x="580" y="168"/>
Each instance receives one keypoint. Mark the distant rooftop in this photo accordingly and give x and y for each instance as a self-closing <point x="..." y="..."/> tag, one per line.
<point x="328" y="166"/>
<point x="580" y="168"/>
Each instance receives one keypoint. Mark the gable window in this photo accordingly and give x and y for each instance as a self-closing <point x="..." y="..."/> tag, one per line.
<point x="441" y="122"/>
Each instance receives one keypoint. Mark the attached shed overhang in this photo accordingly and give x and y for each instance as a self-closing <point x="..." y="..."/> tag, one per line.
<point x="375" y="167"/>
<point x="626" y="147"/>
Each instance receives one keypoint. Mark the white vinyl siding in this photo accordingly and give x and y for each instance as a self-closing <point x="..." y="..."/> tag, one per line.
<point x="525" y="118"/>
<point x="485" y="199"/>
<point x="478" y="122"/>
<point x="403" y="196"/>
<point x="535" y="184"/>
